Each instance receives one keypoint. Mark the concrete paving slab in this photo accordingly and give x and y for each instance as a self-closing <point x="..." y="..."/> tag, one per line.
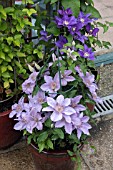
<point x="105" y="8"/>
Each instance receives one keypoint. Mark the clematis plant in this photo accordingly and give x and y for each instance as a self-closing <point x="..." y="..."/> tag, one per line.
<point x="56" y="113"/>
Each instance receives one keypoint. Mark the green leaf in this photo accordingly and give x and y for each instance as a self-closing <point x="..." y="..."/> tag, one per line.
<point x="75" y="148"/>
<point x="94" y="12"/>
<point x="27" y="1"/>
<point x="40" y="55"/>
<point x="9" y="40"/>
<point x="42" y="137"/>
<point x="70" y="153"/>
<point x="59" y="132"/>
<point x="18" y="27"/>
<point x="35" y="51"/>
<point x="49" y="144"/>
<point x="3" y="68"/>
<point x="17" y="36"/>
<point x="52" y="28"/>
<point x="3" y="11"/>
<point x="9" y="10"/>
<point x="10" y="68"/>
<point x="41" y="146"/>
<point x="29" y="11"/>
<point x="16" y="43"/>
<point x="73" y="4"/>
<point x="91" y="39"/>
<point x="6" y="75"/>
<point x="11" y="81"/>
<point x="47" y="1"/>
<point x="105" y="27"/>
<point x="53" y="1"/>
<point x="29" y="139"/>
<point x="20" y="54"/>
<point x="10" y="55"/>
<point x="48" y="123"/>
<point x="98" y="43"/>
<point x="2" y="55"/>
<point x="3" y="27"/>
<point x="69" y="38"/>
<point x="6" y="84"/>
<point x="78" y="46"/>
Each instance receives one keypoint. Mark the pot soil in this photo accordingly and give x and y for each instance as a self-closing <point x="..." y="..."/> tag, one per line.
<point x="52" y="160"/>
<point x="8" y="136"/>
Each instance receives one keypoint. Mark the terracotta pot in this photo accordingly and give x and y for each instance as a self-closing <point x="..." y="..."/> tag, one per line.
<point x="51" y="160"/>
<point x="8" y="136"/>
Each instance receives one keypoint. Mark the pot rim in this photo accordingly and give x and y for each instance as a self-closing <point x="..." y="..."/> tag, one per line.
<point x="5" y="113"/>
<point x="53" y="152"/>
<point x="2" y="101"/>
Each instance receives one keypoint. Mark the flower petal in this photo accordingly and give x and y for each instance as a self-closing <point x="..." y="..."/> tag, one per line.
<point x="67" y="118"/>
<point x="47" y="109"/>
<point x="67" y="102"/>
<point x="69" y="111"/>
<point x="60" y="123"/>
<point x="51" y="102"/>
<point x="68" y="128"/>
<point x="56" y="116"/>
<point x="85" y="119"/>
<point x="79" y="133"/>
<point x="48" y="79"/>
<point x="69" y="78"/>
<point x="60" y="99"/>
<point x="45" y="87"/>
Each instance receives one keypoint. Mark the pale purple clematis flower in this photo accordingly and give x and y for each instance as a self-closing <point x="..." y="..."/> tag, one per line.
<point x="37" y="100"/>
<point x="75" y="104"/>
<point x="80" y="124"/>
<point x="33" y="76"/>
<point x="54" y="58"/>
<point x="52" y="85"/>
<point x="28" y="86"/>
<point x="36" y="120"/>
<point x="87" y="53"/>
<point x="17" y="108"/>
<point x="23" y="122"/>
<point x="96" y="98"/>
<point x="88" y="80"/>
<point x="78" y="69"/>
<point x="60" y="108"/>
<point x="71" y="54"/>
<point x="66" y="77"/>
<point x="67" y="126"/>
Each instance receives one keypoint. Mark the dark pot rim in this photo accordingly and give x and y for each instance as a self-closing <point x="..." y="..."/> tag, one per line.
<point x="54" y="152"/>
<point x="62" y="152"/>
<point x="5" y="113"/>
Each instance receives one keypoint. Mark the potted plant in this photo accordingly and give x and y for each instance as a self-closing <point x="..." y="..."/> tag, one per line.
<point x="15" y="57"/>
<point x="56" y="118"/>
